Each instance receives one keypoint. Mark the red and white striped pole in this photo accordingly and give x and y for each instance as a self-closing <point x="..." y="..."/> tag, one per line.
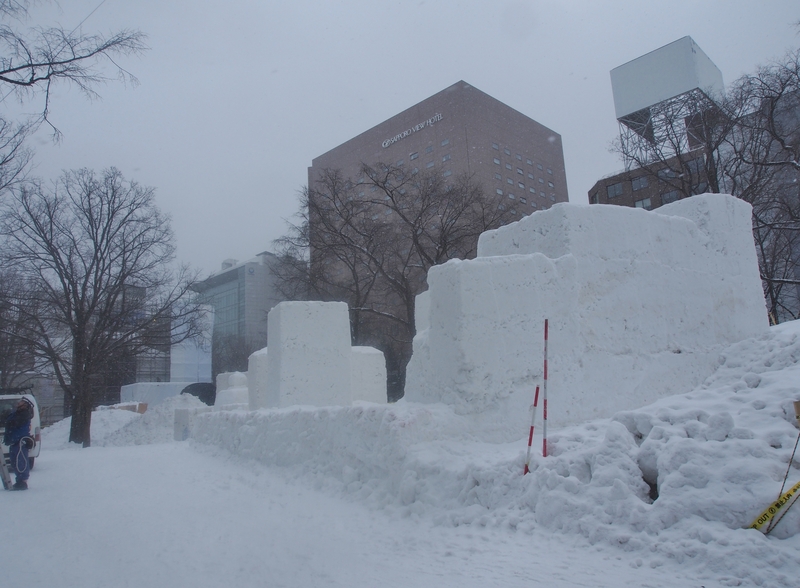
<point x="544" y="398"/>
<point x="530" y="436"/>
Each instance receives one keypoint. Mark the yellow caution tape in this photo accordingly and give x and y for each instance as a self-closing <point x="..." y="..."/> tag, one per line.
<point x="765" y="517"/>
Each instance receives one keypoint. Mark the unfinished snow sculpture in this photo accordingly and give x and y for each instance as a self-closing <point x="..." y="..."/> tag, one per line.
<point x="639" y="304"/>
<point x="257" y="379"/>
<point x="311" y="362"/>
<point x="235" y="390"/>
<point x="367" y="374"/>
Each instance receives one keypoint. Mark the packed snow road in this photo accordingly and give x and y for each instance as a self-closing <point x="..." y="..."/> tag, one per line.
<point x="173" y="514"/>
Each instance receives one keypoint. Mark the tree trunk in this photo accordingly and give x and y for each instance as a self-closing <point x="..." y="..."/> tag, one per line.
<point x="81" y="409"/>
<point x="79" y="431"/>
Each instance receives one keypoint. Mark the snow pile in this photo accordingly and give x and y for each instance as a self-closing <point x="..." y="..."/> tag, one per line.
<point x="124" y="427"/>
<point x="676" y="480"/>
<point x="104" y="423"/>
<point x="154" y="426"/>
<point x="639" y="305"/>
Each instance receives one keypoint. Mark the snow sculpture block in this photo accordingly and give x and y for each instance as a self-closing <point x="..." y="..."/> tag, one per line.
<point x="639" y="303"/>
<point x="368" y="374"/>
<point x="235" y="392"/>
<point x="151" y="393"/>
<point x="309" y="358"/>
<point x="257" y="379"/>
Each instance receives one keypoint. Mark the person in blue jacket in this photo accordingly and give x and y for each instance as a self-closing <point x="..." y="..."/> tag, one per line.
<point x="17" y="438"/>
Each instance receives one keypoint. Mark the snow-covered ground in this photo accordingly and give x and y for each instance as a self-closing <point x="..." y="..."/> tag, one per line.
<point x="138" y="509"/>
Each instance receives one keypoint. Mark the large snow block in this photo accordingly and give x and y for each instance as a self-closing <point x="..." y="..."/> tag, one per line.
<point x="368" y="374"/>
<point x="151" y="393"/>
<point x="309" y="354"/>
<point x="236" y="391"/>
<point x="257" y="379"/>
<point x="639" y="304"/>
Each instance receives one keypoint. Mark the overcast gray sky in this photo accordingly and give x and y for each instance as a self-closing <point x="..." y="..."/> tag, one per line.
<point x="236" y="98"/>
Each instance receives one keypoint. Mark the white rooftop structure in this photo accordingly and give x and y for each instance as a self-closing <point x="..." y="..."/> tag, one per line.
<point x="670" y="71"/>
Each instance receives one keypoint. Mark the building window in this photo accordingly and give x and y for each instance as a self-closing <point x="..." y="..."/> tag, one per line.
<point x="552" y="197"/>
<point x="542" y="194"/>
<point x="695" y="165"/>
<point x="519" y="157"/>
<point x="530" y="176"/>
<point x="506" y="151"/>
<point x="700" y="188"/>
<point x="448" y="173"/>
<point x="499" y="191"/>
<point x="513" y="211"/>
<point x="498" y="177"/>
<point x="644" y="203"/>
<point x="429" y="165"/>
<point x="413" y="156"/>
<point x="520" y="172"/>
<point x="508" y="166"/>
<point x="501" y="207"/>
<point x="497" y="161"/>
<point x="429" y="149"/>
<point x="667" y="174"/>
<point x="400" y="163"/>
<point x="614" y="190"/>
<point x="539" y="165"/>
<point x="532" y="190"/>
<point x="414" y="171"/>
<point x="639" y="183"/>
<point x="446" y="158"/>
<point x="670" y="196"/>
<point x="541" y="180"/>
<point x="593" y="198"/>
<point x="529" y="162"/>
<point x="445" y="142"/>
<point x="533" y="204"/>
<point x="510" y="195"/>
<point x="550" y="184"/>
<point x="510" y="181"/>
<point x="549" y="171"/>
<point x="495" y="146"/>
<point x="521" y="185"/>
<point x="523" y="200"/>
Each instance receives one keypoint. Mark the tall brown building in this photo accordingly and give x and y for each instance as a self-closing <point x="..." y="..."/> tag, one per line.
<point x="462" y="129"/>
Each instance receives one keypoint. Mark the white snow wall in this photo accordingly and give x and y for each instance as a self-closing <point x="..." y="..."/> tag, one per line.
<point x="639" y="304"/>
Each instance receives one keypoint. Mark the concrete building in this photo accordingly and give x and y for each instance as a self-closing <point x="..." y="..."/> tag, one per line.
<point x="463" y="130"/>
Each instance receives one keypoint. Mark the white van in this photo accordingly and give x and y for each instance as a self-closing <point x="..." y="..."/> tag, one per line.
<point x="8" y="402"/>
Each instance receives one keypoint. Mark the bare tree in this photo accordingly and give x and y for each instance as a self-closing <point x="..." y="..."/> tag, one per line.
<point x="747" y="143"/>
<point x="370" y="241"/>
<point x="97" y="254"/>
<point x="18" y="360"/>
<point x="33" y="59"/>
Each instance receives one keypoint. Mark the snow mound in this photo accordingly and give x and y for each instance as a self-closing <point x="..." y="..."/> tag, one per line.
<point x="157" y="425"/>
<point x="123" y="427"/>
<point x="677" y="480"/>
<point x="104" y="423"/>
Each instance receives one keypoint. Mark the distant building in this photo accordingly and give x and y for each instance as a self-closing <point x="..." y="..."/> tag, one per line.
<point x="463" y="130"/>
<point x="241" y="295"/>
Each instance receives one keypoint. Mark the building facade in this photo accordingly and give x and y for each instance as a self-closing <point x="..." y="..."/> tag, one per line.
<point x="241" y="295"/>
<point x="462" y="130"/>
